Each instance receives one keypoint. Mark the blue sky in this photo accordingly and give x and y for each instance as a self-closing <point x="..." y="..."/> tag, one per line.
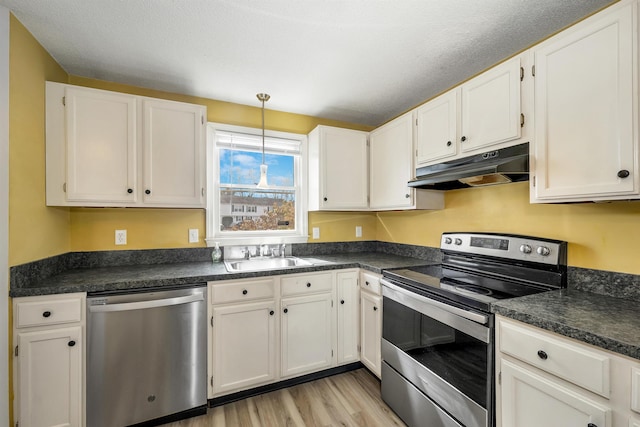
<point x="243" y="167"/>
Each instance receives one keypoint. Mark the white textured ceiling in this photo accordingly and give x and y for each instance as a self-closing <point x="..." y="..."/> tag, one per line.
<point x="361" y="61"/>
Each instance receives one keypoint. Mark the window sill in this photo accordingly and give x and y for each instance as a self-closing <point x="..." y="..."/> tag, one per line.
<point x="254" y="240"/>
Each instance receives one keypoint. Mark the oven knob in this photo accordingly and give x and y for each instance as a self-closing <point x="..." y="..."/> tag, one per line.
<point x="525" y="249"/>
<point x="447" y="240"/>
<point x="543" y="250"/>
<point x="458" y="242"/>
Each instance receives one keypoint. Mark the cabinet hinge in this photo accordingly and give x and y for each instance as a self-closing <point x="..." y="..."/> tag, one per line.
<point x="202" y="119"/>
<point x="521" y="73"/>
<point x="202" y="191"/>
<point x="64" y="187"/>
<point x="521" y="120"/>
<point x="212" y="381"/>
<point x="331" y="303"/>
<point x="15" y="352"/>
<point x="64" y="101"/>
<point x="358" y="348"/>
<point x="500" y="377"/>
<point x="533" y="70"/>
<point x="211" y="320"/>
<point x="331" y="352"/>
<point x="533" y="178"/>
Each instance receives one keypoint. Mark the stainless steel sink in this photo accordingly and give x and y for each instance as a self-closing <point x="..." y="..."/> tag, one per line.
<point x="256" y="264"/>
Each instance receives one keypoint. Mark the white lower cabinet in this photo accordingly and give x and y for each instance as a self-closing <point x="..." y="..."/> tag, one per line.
<point x="244" y="345"/>
<point x="371" y="322"/>
<point x="48" y="363"/>
<point x="348" y="292"/>
<point x="545" y="379"/>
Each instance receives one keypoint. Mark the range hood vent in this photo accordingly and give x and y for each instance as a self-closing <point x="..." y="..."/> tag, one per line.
<point x="501" y="166"/>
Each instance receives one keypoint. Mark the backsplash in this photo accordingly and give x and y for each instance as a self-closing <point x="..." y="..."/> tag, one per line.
<point x="610" y="283"/>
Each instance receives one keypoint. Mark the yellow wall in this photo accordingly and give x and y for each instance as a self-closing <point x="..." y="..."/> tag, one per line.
<point x="602" y="236"/>
<point x="35" y="231"/>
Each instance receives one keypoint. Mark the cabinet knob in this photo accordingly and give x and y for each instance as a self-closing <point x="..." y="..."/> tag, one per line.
<point x="244" y="292"/>
<point x="308" y="285"/>
<point x="448" y="143"/>
<point x="375" y="308"/>
<point x="591" y="425"/>
<point x="623" y="173"/>
<point x="406" y="196"/>
<point x="286" y="310"/>
<point x="542" y="355"/>
<point x="71" y="343"/>
<point x="46" y="314"/>
<point x="463" y="139"/>
<point x="325" y="199"/>
<point x="271" y="312"/>
<point x="341" y="301"/>
<point x="366" y="283"/>
<point x="129" y="190"/>
<point x="147" y="191"/>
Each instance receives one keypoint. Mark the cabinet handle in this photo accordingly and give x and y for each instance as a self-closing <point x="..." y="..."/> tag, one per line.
<point x="542" y="355"/>
<point x="341" y="301"/>
<point x="244" y="292"/>
<point x="46" y="314"/>
<point x="129" y="190"/>
<point x="147" y="191"/>
<point x="308" y="285"/>
<point x="71" y="343"/>
<point x="623" y="173"/>
<point x="286" y="310"/>
<point x="463" y="139"/>
<point x="271" y="312"/>
<point x="448" y="143"/>
<point x="375" y="308"/>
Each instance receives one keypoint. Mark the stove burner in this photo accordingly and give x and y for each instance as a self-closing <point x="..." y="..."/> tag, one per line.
<point x="471" y="289"/>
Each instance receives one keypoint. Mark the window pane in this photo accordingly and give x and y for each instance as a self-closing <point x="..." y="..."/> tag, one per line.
<point x="261" y="209"/>
<point x="242" y="167"/>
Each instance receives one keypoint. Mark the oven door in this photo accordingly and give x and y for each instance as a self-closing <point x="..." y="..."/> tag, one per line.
<point x="444" y="351"/>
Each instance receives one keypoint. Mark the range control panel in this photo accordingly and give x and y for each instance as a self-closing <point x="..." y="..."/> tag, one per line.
<point x="524" y="248"/>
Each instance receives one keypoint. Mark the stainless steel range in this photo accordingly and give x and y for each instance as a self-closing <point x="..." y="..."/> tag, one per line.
<point x="437" y="328"/>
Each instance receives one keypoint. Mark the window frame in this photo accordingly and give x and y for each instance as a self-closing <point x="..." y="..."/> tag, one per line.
<point x="298" y="235"/>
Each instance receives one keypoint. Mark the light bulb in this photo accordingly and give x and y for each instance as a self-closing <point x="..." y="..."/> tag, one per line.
<point x="263" y="177"/>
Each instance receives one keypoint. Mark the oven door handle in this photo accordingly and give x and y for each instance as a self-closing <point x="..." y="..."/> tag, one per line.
<point x="475" y="317"/>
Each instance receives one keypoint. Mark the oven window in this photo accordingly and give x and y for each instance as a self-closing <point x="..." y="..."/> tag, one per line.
<point x="454" y="356"/>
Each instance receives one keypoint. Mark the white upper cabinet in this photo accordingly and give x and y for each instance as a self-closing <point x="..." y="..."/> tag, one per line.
<point x="586" y="130"/>
<point x="483" y="113"/>
<point x="113" y="149"/>
<point x="338" y="169"/>
<point x="391" y="162"/>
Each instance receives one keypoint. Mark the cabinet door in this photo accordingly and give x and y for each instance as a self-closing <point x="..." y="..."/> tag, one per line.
<point x="371" y="334"/>
<point x="173" y="153"/>
<point x="50" y="377"/>
<point x="437" y="128"/>
<point x="584" y="111"/>
<point x="391" y="154"/>
<point x="530" y="400"/>
<point x="244" y="346"/>
<point x="348" y="292"/>
<point x="491" y="107"/>
<point x="306" y="337"/>
<point x="101" y="146"/>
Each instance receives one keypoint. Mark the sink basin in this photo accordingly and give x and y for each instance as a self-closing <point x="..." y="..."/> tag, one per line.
<point x="256" y="264"/>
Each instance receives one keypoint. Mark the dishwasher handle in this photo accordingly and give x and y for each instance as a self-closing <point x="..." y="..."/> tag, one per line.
<point x="141" y="305"/>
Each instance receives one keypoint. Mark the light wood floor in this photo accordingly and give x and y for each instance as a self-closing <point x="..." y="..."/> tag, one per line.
<point x="349" y="399"/>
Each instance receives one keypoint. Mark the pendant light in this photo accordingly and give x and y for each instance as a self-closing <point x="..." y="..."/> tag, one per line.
<point x="263" y="167"/>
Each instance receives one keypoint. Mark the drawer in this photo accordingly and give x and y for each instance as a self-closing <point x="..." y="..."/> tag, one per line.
<point x="635" y="389"/>
<point x="39" y="311"/>
<point x="306" y="284"/>
<point x="243" y="290"/>
<point x="370" y="282"/>
<point x="571" y="361"/>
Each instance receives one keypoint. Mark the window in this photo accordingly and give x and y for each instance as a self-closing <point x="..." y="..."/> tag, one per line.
<point x="240" y="213"/>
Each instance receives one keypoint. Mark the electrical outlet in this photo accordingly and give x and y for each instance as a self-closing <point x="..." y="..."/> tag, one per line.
<point x="121" y="237"/>
<point x="316" y="232"/>
<point x="193" y="235"/>
<point x="358" y="231"/>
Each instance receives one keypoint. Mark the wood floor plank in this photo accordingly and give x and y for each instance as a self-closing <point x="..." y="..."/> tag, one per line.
<point x="351" y="399"/>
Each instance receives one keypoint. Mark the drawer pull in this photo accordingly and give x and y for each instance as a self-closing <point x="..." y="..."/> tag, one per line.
<point x="375" y="308"/>
<point x="591" y="425"/>
<point x="71" y="343"/>
<point x="366" y="283"/>
<point x="271" y="312"/>
<point x="286" y="310"/>
<point x="244" y="292"/>
<point x="46" y="314"/>
<point x="308" y="285"/>
<point x="542" y="355"/>
<point x="341" y="301"/>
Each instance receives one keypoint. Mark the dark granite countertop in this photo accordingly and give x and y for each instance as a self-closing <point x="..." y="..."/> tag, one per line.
<point x="603" y="321"/>
<point x="131" y="277"/>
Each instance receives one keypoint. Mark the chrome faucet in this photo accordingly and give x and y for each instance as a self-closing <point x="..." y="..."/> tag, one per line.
<point x="283" y="250"/>
<point x="246" y="252"/>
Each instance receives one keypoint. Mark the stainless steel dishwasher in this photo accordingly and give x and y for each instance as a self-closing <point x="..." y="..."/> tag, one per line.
<point x="146" y="356"/>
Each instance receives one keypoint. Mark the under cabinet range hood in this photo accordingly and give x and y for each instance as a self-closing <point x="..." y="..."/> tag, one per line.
<point x="501" y="166"/>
